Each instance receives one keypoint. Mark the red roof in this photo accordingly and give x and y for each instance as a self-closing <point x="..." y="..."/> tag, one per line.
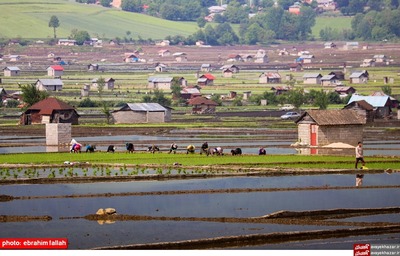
<point x="208" y="76"/>
<point x="57" y="68"/>
<point x="47" y="106"/>
<point x="201" y="101"/>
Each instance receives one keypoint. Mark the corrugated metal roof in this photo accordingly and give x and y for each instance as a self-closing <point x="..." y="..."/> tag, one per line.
<point x="146" y="107"/>
<point x="51" y="81"/>
<point x="312" y="75"/>
<point x="357" y="74"/>
<point x="327" y="77"/>
<point x="334" y="117"/>
<point x="375" y="101"/>
<point x="12" y="68"/>
<point x="155" y="79"/>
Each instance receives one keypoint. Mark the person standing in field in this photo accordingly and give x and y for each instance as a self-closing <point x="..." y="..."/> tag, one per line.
<point x="359" y="154"/>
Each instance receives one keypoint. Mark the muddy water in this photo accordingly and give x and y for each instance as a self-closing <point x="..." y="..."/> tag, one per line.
<point x="88" y="234"/>
<point x="274" y="145"/>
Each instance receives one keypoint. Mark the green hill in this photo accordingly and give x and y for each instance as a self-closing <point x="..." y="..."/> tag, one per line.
<point x="30" y="18"/>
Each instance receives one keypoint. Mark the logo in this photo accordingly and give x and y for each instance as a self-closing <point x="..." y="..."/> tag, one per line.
<point x="362" y="249"/>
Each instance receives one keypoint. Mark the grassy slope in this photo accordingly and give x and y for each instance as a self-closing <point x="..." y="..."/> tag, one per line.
<point x="29" y="19"/>
<point x="338" y="23"/>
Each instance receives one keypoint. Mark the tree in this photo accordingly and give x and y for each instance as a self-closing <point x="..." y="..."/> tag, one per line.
<point x="296" y="97"/>
<point x="386" y="89"/>
<point x="201" y="22"/>
<point x="321" y="100"/>
<point x="158" y="97"/>
<point x="132" y="5"/>
<point x="32" y="95"/>
<point x="54" y="23"/>
<point x="176" y="88"/>
<point x="106" y="3"/>
<point x="80" y="36"/>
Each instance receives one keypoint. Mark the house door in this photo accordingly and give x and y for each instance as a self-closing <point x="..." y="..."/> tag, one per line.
<point x="313" y="130"/>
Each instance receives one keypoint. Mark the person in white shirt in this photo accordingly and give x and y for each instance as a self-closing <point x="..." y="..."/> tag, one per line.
<point x="359" y="155"/>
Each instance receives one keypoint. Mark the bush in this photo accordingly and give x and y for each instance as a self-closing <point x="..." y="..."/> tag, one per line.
<point x="88" y="103"/>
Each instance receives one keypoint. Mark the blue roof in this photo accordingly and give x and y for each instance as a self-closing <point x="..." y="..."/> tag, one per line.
<point x="375" y="101"/>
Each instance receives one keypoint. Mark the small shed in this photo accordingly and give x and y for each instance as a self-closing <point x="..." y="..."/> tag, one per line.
<point x="85" y="90"/>
<point x="55" y="71"/>
<point x="164" y="53"/>
<point x="295" y="67"/>
<point x="312" y="78"/>
<point x="93" y="67"/>
<point x="132" y="113"/>
<point x="363" y="108"/>
<point x="339" y="74"/>
<point x="49" y="84"/>
<point x="190" y="92"/>
<point x="381" y="104"/>
<point x="202" y="105"/>
<point x="368" y="63"/>
<point x="269" y="78"/>
<point x="329" y="45"/>
<point x="343" y="91"/>
<point x="380" y="58"/>
<point x="227" y="73"/>
<point x="161" y="67"/>
<point x="305" y="58"/>
<point x="234" y="68"/>
<point x="324" y="127"/>
<point x="14" y="58"/>
<point x="329" y="80"/>
<point x="11" y="71"/>
<point x="359" y="77"/>
<point x="261" y="57"/>
<point x="206" y="79"/>
<point x="278" y="90"/>
<point x="206" y="67"/>
<point x="50" y="110"/>
<point x="109" y="83"/>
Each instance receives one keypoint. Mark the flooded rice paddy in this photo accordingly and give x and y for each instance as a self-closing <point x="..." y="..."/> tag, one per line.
<point x="320" y="211"/>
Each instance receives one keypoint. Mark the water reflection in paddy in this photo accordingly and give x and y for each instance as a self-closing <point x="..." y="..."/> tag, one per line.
<point x="89" y="234"/>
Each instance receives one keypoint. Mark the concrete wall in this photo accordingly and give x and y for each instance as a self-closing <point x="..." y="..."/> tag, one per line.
<point x="58" y="134"/>
<point x="130" y="117"/>
<point x="349" y="134"/>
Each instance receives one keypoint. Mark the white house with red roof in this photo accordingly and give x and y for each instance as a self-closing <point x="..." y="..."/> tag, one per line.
<point x="55" y="71"/>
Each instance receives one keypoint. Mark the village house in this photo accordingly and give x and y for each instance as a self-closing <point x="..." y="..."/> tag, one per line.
<point x="261" y="57"/>
<point x="393" y="100"/>
<point x="206" y="67"/>
<point x="55" y="71"/>
<point x="246" y="95"/>
<point x="227" y="73"/>
<point x="381" y="104"/>
<point x="161" y="67"/>
<point x="340" y="75"/>
<point x="368" y="63"/>
<point x="359" y="77"/>
<point x="67" y="42"/>
<point x="201" y="105"/>
<point x="164" y="53"/>
<point x="14" y="58"/>
<point x="247" y="58"/>
<point x="164" y="83"/>
<point x="278" y="90"/>
<point x="180" y="56"/>
<point x="93" y="67"/>
<point x="190" y="92"/>
<point x="206" y="79"/>
<point x="269" y="78"/>
<point x="50" y="110"/>
<point x="312" y="78"/>
<point x="363" y="109"/>
<point x="326" y="5"/>
<point x="234" y="68"/>
<point x="283" y="52"/>
<point x="11" y="71"/>
<point x="295" y="67"/>
<point x="108" y="83"/>
<point x="380" y="58"/>
<point x="329" y="45"/>
<point x="343" y="91"/>
<point x="305" y="59"/>
<point x="49" y="84"/>
<point x="131" y="58"/>
<point x="351" y="46"/>
<point x="163" y="43"/>
<point x="132" y="113"/>
<point x="317" y="128"/>
<point x="235" y="58"/>
<point x="295" y="8"/>
<point x="329" y="80"/>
